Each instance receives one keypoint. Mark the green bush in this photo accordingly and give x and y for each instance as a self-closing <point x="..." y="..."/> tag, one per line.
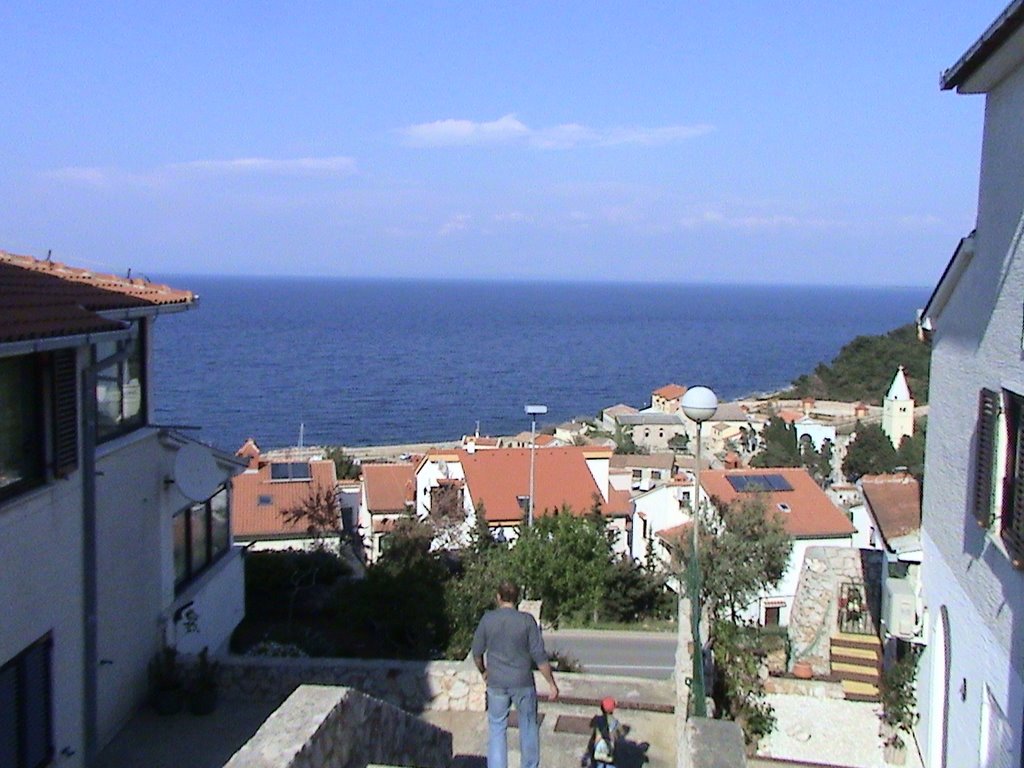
<point x="274" y="580"/>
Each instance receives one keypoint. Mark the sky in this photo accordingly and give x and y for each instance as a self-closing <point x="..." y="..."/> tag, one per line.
<point x="725" y="142"/>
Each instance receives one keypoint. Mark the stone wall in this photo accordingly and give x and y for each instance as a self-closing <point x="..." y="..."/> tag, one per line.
<point x="326" y="727"/>
<point x="814" y="618"/>
<point x="414" y="686"/>
<point x="817" y="689"/>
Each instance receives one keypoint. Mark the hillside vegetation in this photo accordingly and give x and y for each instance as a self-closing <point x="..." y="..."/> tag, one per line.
<point x="864" y="368"/>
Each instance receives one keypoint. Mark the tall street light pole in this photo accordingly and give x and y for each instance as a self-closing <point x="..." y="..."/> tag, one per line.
<point x="699" y="404"/>
<point x="533" y="411"/>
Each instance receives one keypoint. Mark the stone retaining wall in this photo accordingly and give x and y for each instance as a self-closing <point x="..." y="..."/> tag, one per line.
<point x="414" y="686"/>
<point x="325" y="727"/>
<point x="814" y="618"/>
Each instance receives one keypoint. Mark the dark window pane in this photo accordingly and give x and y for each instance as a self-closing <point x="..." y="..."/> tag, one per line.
<point x="279" y="472"/>
<point x="21" y="439"/>
<point x="36" y="729"/>
<point x="180" y="524"/>
<point x="200" y="554"/>
<point x="219" y="525"/>
<point x="300" y="470"/>
<point x="9" y="716"/>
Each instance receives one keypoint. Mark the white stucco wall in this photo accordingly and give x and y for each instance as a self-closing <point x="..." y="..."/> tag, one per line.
<point x="40" y="574"/>
<point x="783" y="593"/>
<point x="977" y="343"/>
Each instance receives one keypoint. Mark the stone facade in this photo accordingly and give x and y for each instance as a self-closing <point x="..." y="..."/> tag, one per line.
<point x="413" y="686"/>
<point x="814" y="618"/>
<point x="328" y="727"/>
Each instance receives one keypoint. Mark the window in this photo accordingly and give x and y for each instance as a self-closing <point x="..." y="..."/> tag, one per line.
<point x="22" y="447"/>
<point x="201" y="537"/>
<point x="26" y="725"/>
<point x="999" y="469"/>
<point x="772" y="615"/>
<point x="290" y="470"/>
<point x="120" y="387"/>
<point x="36" y="390"/>
<point x="265" y="500"/>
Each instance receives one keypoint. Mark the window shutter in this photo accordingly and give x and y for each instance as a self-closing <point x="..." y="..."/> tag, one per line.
<point x="1013" y="528"/>
<point x="65" y="412"/>
<point x="988" y="412"/>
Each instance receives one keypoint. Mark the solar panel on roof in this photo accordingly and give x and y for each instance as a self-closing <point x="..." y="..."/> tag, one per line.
<point x="758" y="483"/>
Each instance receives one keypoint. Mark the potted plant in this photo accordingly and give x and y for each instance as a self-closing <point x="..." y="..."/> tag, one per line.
<point x="202" y="690"/>
<point x="899" y="706"/>
<point x="166" y="687"/>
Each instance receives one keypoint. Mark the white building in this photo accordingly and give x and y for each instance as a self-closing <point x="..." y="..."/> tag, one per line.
<point x="808" y="515"/>
<point x="114" y="534"/>
<point x="971" y="693"/>
<point x="898" y="410"/>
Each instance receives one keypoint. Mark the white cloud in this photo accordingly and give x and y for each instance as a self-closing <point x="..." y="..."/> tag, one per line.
<point x="510" y="130"/>
<point x="456" y="223"/>
<point x="95" y="176"/>
<point x="327" y="166"/>
<point x="445" y="133"/>
<point x="713" y="218"/>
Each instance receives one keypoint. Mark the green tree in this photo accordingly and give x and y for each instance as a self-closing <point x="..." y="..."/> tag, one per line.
<point x="472" y="593"/>
<point x="910" y="454"/>
<point x="633" y="593"/>
<point x="780" y="447"/>
<point x="680" y="442"/>
<point x="564" y="560"/>
<point x="870" y="453"/>
<point x="738" y="688"/>
<point x="624" y="441"/>
<point x="864" y="368"/>
<point x="319" y="514"/>
<point x="346" y="467"/>
<point x="744" y="550"/>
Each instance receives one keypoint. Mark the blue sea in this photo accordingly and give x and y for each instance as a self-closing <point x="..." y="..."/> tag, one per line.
<point x="362" y="362"/>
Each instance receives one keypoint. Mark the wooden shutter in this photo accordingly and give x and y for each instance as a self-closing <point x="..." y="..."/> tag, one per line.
<point x="1013" y="517"/>
<point x="65" y="412"/>
<point x="988" y="413"/>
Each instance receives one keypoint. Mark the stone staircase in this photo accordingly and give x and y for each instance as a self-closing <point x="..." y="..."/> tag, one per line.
<point x="857" y="661"/>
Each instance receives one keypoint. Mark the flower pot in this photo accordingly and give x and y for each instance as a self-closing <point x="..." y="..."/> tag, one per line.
<point x="802" y="670"/>
<point x="168" y="701"/>
<point x="202" y="701"/>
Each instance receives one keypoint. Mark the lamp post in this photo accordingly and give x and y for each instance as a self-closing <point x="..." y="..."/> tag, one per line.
<point x="699" y="404"/>
<point x="533" y="411"/>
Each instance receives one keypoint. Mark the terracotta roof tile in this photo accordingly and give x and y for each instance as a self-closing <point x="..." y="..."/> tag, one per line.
<point x="498" y="478"/>
<point x="895" y="502"/>
<point x="46" y="299"/>
<point x="670" y="391"/>
<point x="251" y="519"/>
<point x="811" y="513"/>
<point x="388" y="487"/>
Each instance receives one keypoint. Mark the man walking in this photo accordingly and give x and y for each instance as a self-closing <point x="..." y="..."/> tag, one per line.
<point x="511" y="640"/>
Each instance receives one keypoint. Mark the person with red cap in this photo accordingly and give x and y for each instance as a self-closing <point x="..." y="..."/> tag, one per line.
<point x="605" y="732"/>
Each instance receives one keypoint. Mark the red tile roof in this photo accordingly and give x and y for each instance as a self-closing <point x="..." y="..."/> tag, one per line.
<point x="388" y="487"/>
<point x="895" y="502"/>
<point x="498" y="478"/>
<point x="251" y="519"/>
<point x="46" y="299"/>
<point x="811" y="513"/>
<point x="670" y="391"/>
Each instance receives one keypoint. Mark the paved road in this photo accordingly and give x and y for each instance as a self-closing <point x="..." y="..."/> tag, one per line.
<point x="638" y="654"/>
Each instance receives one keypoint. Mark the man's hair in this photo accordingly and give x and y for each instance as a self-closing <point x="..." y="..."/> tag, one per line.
<point x="508" y="592"/>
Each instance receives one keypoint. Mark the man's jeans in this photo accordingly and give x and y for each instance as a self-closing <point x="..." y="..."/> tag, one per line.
<point x="498" y="702"/>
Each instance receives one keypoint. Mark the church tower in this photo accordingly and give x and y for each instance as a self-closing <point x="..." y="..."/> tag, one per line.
<point x="898" y="410"/>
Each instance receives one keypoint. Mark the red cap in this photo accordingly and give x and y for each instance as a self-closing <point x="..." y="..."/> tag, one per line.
<point x="608" y="704"/>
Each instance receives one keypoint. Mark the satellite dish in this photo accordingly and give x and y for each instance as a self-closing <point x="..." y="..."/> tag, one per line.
<point x="195" y="472"/>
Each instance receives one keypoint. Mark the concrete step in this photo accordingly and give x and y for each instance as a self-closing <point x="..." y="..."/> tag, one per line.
<point x="859" y="672"/>
<point x="865" y="656"/>
<point x="851" y="640"/>
<point x="858" y="691"/>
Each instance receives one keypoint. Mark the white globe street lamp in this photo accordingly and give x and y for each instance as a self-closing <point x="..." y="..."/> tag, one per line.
<point x="699" y="404"/>
<point x="533" y="411"/>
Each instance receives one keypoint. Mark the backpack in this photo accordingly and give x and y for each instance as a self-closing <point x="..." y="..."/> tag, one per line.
<point x="604" y="740"/>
